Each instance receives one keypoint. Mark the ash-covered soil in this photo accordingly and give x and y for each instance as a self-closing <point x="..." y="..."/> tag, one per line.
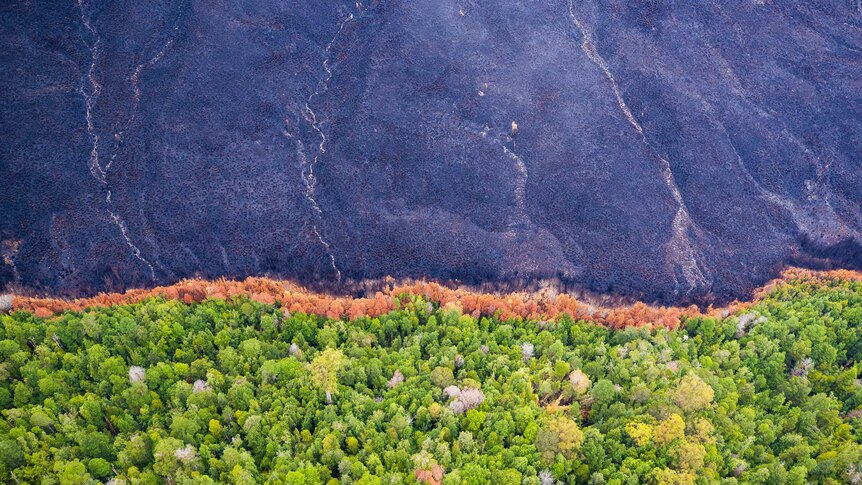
<point x="677" y="152"/>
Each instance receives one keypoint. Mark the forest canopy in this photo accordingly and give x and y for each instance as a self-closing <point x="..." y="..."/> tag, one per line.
<point x="239" y="391"/>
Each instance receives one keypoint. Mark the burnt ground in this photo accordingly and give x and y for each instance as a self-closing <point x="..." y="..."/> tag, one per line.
<point x="677" y="152"/>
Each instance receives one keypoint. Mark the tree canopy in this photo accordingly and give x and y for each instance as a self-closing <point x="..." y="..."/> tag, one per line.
<point x="238" y="391"/>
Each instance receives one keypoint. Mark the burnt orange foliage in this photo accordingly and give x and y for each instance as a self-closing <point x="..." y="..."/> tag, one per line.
<point x="542" y="305"/>
<point x="434" y="476"/>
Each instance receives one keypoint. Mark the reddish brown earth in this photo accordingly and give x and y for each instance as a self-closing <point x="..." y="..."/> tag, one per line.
<point x="543" y="304"/>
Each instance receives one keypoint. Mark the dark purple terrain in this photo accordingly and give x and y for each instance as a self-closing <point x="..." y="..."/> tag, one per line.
<point x="671" y="151"/>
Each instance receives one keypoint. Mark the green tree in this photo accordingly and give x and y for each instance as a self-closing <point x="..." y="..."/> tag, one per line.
<point x="692" y="393"/>
<point x="324" y="371"/>
<point x="71" y="473"/>
<point x="560" y="434"/>
<point x="11" y="456"/>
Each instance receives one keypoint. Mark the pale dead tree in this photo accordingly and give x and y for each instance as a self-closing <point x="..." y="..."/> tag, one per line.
<point x="471" y="397"/>
<point x="468" y="398"/>
<point x="397" y="378"/>
<point x="854" y="474"/>
<point x="742" y="323"/>
<point x="294" y="350"/>
<point x="746" y="322"/>
<point x="452" y="391"/>
<point x="803" y="367"/>
<point x="136" y="373"/>
<point x="200" y="386"/>
<point x="546" y="477"/>
<point x="5" y="303"/>
<point x="459" y="361"/>
<point x="527" y="350"/>
<point x="186" y="454"/>
<point x="580" y="381"/>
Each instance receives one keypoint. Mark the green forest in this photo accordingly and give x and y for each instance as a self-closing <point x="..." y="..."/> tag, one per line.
<point x="241" y="392"/>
